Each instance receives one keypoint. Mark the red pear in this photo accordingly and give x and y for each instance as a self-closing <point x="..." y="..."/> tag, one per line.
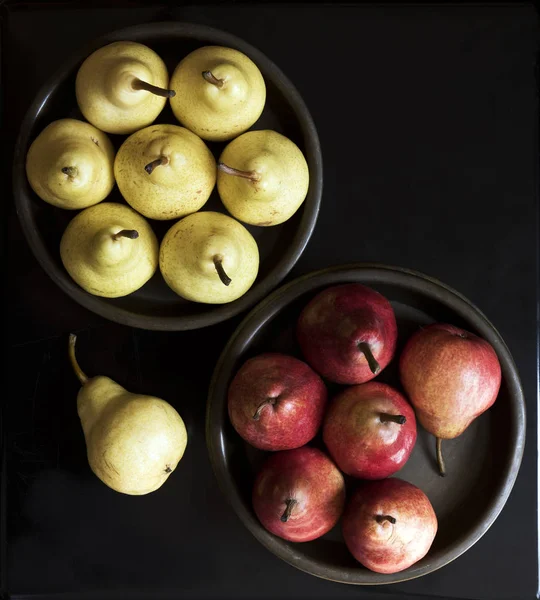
<point x="348" y="333"/>
<point x="370" y="430"/>
<point x="299" y="494"/>
<point x="451" y="376"/>
<point x="389" y="525"/>
<point x="276" y="402"/>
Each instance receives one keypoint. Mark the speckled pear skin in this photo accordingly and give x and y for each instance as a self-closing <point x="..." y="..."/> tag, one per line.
<point x="380" y="544"/>
<point x="105" y="266"/>
<point x="282" y="178"/>
<point x="70" y="164"/>
<point x="172" y="190"/>
<point x="134" y="442"/>
<point x="312" y="481"/>
<point x="104" y="88"/>
<point x="217" y="113"/>
<point x="451" y="377"/>
<point x="187" y="255"/>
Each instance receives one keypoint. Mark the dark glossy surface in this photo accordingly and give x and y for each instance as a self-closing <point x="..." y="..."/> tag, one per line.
<point x="432" y="166"/>
<point x="482" y="464"/>
<point x="155" y="305"/>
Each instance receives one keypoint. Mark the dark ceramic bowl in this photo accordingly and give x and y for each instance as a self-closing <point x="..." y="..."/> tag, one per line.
<point x="482" y="464"/>
<point x="155" y="306"/>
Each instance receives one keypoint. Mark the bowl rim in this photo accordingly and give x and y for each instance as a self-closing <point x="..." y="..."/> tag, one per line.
<point x="219" y="313"/>
<point x="264" y="312"/>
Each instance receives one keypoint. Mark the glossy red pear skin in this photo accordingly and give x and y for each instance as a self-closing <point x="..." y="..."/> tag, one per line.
<point x="298" y="395"/>
<point x="385" y="547"/>
<point x="451" y="376"/>
<point x="333" y="324"/>
<point x="362" y="445"/>
<point x="308" y="476"/>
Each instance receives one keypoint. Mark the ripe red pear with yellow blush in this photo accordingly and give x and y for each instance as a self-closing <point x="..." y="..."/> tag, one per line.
<point x="451" y="377"/>
<point x="276" y="402"/>
<point x="299" y="494"/>
<point x="348" y="333"/>
<point x="370" y="430"/>
<point x="389" y="525"/>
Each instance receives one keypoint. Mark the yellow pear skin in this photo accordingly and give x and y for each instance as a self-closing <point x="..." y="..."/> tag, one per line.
<point x="134" y="442"/>
<point x="122" y="87"/>
<point x="165" y="172"/>
<point x="70" y="164"/>
<point x="263" y="178"/>
<point x="220" y="92"/>
<point x="109" y="250"/>
<point x="209" y="257"/>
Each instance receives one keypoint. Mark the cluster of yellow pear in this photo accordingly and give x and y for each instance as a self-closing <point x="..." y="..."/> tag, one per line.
<point x="166" y="171"/>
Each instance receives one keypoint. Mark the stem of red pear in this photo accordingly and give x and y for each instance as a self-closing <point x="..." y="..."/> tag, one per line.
<point x="372" y="362"/>
<point x="261" y="407"/>
<point x="440" y="458"/>
<point x="386" y="417"/>
<point x="381" y="518"/>
<point x="291" y="503"/>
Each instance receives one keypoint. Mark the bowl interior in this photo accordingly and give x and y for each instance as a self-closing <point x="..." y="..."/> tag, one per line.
<point x="479" y="463"/>
<point x="155" y="305"/>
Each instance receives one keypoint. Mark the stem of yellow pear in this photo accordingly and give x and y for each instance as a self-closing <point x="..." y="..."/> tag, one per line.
<point x="132" y="234"/>
<point x="139" y="84"/>
<point x="440" y="459"/>
<point x="218" y="263"/>
<point x="70" y="171"/>
<point x="210" y="78"/>
<point x="251" y="175"/>
<point x="71" y="352"/>
<point x="161" y="161"/>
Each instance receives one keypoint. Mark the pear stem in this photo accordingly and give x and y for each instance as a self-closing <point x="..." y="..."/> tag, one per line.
<point x="70" y="171"/>
<point x="399" y="419"/>
<point x="132" y="234"/>
<point x="382" y="518"/>
<point x="291" y="503"/>
<point x="262" y="405"/>
<point x="372" y="362"/>
<point x="440" y="459"/>
<point x="210" y="78"/>
<point x="251" y="175"/>
<point x="139" y="84"/>
<point x="162" y="160"/>
<point x="218" y="263"/>
<point x="71" y="351"/>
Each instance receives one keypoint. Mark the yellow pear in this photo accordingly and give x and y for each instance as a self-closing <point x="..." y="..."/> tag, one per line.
<point x="220" y="92"/>
<point x="263" y="178"/>
<point x="122" y="87"/>
<point x="209" y="257"/>
<point x="109" y="250"/>
<point x="165" y="171"/>
<point x="133" y="442"/>
<point x="70" y="164"/>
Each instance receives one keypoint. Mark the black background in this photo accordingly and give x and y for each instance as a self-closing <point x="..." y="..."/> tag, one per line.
<point x="430" y="163"/>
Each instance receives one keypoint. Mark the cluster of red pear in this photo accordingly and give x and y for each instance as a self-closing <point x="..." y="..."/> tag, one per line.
<point x="347" y="334"/>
